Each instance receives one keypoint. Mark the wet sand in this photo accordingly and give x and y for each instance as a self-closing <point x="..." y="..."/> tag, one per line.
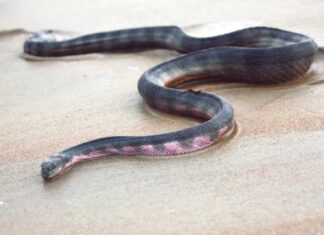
<point x="267" y="178"/>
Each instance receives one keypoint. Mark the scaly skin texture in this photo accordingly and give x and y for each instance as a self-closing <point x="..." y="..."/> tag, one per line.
<point x="253" y="55"/>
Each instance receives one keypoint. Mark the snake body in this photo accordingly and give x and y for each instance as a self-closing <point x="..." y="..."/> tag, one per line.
<point x="254" y="55"/>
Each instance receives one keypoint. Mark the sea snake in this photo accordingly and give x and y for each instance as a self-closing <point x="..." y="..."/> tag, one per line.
<point x="252" y="55"/>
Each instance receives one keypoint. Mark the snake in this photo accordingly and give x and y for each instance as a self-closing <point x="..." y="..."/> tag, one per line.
<point x="260" y="55"/>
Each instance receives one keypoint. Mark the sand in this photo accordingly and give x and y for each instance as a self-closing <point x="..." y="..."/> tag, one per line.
<point x="266" y="178"/>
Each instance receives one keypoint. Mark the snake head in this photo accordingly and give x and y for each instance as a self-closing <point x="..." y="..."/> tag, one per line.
<point x="54" y="166"/>
<point x="38" y="42"/>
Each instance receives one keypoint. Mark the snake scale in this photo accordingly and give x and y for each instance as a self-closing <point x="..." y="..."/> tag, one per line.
<point x="260" y="55"/>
